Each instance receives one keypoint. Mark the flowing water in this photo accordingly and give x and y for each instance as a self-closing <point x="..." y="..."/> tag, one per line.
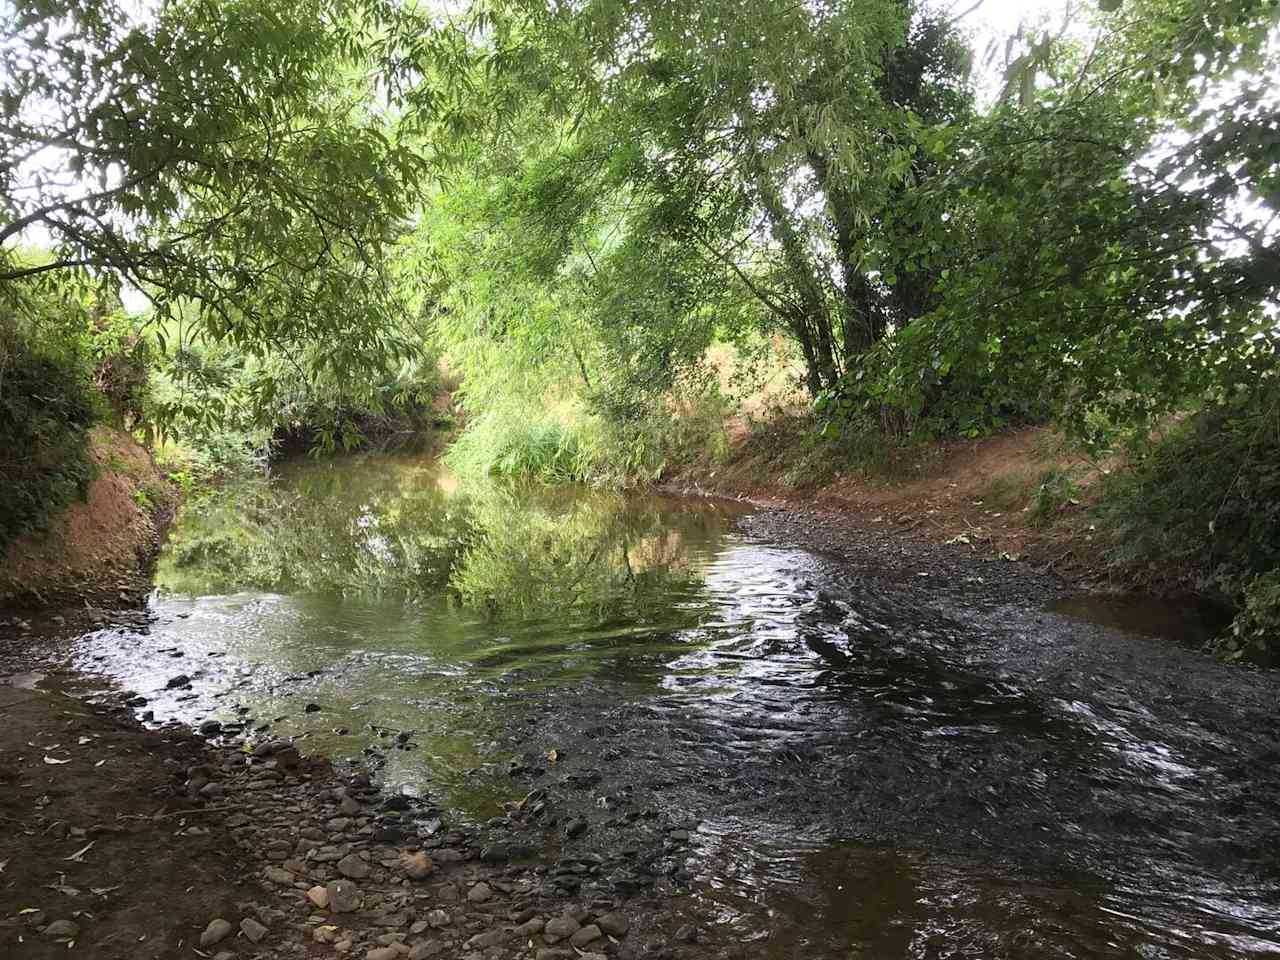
<point x="866" y="766"/>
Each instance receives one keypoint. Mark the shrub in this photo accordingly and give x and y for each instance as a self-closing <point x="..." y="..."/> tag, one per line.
<point x="1200" y="507"/>
<point x="1055" y="490"/>
<point x="47" y="405"/>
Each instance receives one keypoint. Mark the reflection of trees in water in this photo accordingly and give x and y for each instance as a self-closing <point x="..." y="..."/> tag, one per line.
<point x="599" y="553"/>
<point x="368" y="526"/>
<point x="388" y="527"/>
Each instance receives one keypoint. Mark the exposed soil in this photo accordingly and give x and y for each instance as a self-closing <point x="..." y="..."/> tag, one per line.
<point x="99" y="550"/>
<point x="975" y="496"/>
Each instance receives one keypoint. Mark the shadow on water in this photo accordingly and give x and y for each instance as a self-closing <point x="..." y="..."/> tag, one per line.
<point x="878" y="770"/>
<point x="1187" y="621"/>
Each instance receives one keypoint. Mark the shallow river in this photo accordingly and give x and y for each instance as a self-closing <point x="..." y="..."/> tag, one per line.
<point x="866" y="765"/>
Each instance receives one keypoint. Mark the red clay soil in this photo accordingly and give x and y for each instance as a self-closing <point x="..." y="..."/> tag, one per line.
<point x="975" y="495"/>
<point x="100" y="547"/>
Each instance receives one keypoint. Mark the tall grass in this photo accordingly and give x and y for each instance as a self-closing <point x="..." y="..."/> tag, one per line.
<point x="509" y="443"/>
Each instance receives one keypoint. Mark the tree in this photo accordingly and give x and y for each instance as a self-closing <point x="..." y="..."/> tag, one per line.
<point x="755" y="146"/>
<point x="1096" y="252"/>
<point x="226" y="158"/>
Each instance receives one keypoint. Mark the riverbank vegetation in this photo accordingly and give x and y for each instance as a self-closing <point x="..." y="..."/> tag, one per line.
<point x="636" y="232"/>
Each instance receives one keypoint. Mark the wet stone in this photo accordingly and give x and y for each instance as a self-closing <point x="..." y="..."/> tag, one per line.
<point x="495" y="853"/>
<point x="687" y="934"/>
<point x="480" y="893"/>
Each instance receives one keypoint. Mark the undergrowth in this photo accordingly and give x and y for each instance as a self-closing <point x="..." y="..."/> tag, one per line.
<point x="47" y="405"/>
<point x="1200" y="507"/>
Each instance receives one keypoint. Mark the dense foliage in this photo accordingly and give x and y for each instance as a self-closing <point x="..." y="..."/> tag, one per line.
<point x="47" y="404"/>
<point x="1200" y="507"/>
<point x="226" y="160"/>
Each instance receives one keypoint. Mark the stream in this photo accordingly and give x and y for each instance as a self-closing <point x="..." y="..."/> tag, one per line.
<point x="817" y="759"/>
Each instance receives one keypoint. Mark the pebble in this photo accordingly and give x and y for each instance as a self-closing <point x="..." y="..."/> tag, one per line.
<point x="210" y="728"/>
<point x="687" y="934"/>
<point x="349" y="805"/>
<point x="344" y="896"/>
<point x="614" y="924"/>
<point x="353" y="867"/>
<point x="560" y="928"/>
<point x="586" y="935"/>
<point x="530" y="927"/>
<point x="489" y="938"/>
<point x="277" y="875"/>
<point x="417" y="866"/>
<point x="181" y="680"/>
<point x="480" y="893"/>
<point x="252" y="929"/>
<point x="382" y="953"/>
<point x="215" y="932"/>
<point x="438" y="918"/>
<point x="319" y="896"/>
<point x="425" y="950"/>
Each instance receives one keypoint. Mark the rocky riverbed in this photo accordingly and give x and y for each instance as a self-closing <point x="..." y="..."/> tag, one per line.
<point x="127" y="841"/>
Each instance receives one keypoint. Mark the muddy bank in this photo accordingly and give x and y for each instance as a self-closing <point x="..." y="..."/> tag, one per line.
<point x="123" y="841"/>
<point x="973" y="497"/>
<point x="100" y="550"/>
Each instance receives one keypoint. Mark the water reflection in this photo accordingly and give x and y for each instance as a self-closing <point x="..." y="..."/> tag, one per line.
<point x="878" y="773"/>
